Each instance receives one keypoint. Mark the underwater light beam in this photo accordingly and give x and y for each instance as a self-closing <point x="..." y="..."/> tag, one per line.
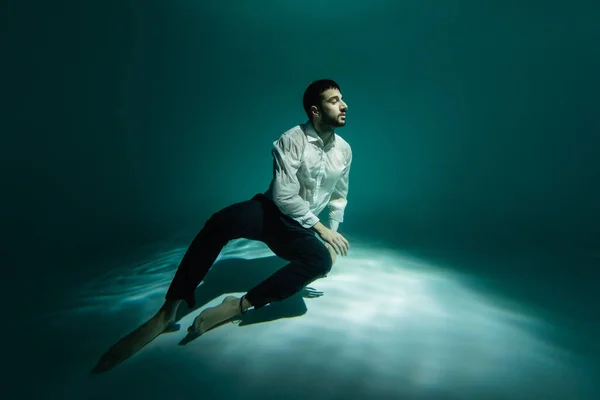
<point x="403" y="325"/>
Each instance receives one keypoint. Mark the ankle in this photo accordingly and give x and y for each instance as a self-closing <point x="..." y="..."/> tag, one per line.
<point x="245" y="304"/>
<point x="170" y="307"/>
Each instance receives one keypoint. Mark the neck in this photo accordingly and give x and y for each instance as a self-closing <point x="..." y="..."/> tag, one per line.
<point x="325" y="132"/>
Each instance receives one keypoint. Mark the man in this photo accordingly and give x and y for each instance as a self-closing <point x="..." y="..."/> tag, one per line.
<point x="311" y="166"/>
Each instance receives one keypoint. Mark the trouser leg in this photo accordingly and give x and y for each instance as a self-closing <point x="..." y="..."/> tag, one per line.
<point x="240" y="220"/>
<point x="309" y="260"/>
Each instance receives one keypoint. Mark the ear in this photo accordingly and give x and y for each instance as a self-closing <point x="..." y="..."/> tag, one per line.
<point x="314" y="111"/>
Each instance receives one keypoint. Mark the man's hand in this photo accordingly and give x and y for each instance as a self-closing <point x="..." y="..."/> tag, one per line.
<point x="337" y="241"/>
<point x="333" y="238"/>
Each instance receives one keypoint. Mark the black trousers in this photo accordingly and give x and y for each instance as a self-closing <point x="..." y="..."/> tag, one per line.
<point x="256" y="219"/>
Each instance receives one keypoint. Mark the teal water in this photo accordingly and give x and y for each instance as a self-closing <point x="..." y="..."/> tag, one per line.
<point x="473" y="208"/>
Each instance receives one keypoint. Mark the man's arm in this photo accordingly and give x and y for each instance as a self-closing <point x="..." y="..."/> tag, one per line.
<point x="287" y="157"/>
<point x="339" y="198"/>
<point x="319" y="228"/>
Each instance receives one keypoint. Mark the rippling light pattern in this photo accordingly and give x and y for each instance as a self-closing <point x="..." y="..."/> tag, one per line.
<point x="387" y="326"/>
<point x="151" y="279"/>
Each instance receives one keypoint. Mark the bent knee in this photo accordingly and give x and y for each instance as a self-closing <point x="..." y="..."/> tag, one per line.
<point x="332" y="253"/>
<point x="324" y="260"/>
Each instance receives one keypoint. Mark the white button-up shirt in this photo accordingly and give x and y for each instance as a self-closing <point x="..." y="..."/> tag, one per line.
<point x="308" y="176"/>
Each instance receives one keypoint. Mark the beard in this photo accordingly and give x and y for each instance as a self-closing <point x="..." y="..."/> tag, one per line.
<point x="333" y="121"/>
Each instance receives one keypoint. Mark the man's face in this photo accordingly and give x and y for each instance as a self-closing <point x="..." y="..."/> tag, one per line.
<point x="333" y="108"/>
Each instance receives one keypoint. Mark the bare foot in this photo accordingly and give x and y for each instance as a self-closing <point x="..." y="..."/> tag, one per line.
<point x="213" y="316"/>
<point x="134" y="341"/>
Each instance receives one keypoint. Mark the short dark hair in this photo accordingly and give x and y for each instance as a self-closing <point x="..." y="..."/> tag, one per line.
<point x="312" y="94"/>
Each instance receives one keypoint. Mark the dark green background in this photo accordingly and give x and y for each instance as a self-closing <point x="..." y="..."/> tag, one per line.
<point x="126" y="118"/>
<point x="474" y="127"/>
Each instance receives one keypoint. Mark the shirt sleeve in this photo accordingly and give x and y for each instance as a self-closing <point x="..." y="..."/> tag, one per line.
<point x="287" y="158"/>
<point x="339" y="197"/>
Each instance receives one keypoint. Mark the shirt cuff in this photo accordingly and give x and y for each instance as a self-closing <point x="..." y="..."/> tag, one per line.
<point x="336" y="215"/>
<point x="308" y="221"/>
<point x="334" y="225"/>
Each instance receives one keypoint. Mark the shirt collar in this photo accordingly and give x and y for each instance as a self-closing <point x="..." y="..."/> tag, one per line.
<point x="313" y="136"/>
